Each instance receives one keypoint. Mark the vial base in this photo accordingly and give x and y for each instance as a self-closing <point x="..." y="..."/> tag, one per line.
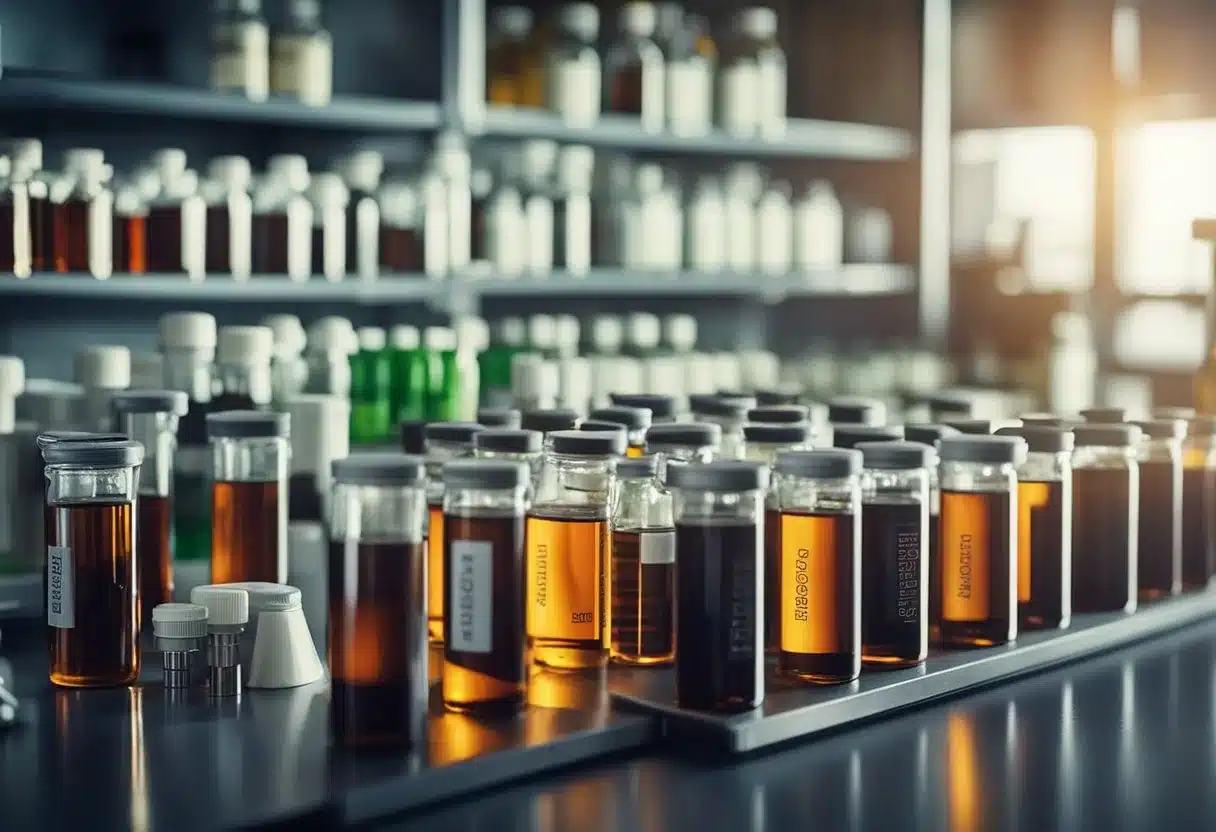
<point x="245" y="544"/>
<point x="894" y="625"/>
<point x="469" y="692"/>
<point x="819" y="668"/>
<point x="434" y="573"/>
<point x="1198" y="527"/>
<point x="560" y="654"/>
<point x="567" y="603"/>
<point x="643" y="597"/>
<point x="152" y="539"/>
<point x="1103" y="546"/>
<point x="1159" y="551"/>
<point x="978" y="633"/>
<point x="374" y="715"/>
<point x="1044" y="556"/>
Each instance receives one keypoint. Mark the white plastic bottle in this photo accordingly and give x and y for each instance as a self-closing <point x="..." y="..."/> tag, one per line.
<point x="329" y="197"/>
<point x="537" y="162"/>
<point x="240" y="57"/>
<point x="302" y="56"/>
<point x="818" y="229"/>
<point x="705" y="223"/>
<point x="361" y="173"/>
<point x="574" y="73"/>
<point x="752" y="80"/>
<point x="775" y="230"/>
<point x="743" y="185"/>
<point x="229" y="223"/>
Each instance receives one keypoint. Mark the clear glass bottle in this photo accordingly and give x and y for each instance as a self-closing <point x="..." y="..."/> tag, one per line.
<point x="250" y="453"/>
<point x="720" y="602"/>
<point x="634" y="69"/>
<point x="572" y="213"/>
<point x="483" y="652"/>
<point x="377" y="602"/>
<point x="515" y="76"/>
<point x="83" y="215"/>
<point x="282" y="219"/>
<point x="229" y="224"/>
<point x="331" y="343"/>
<point x="371" y="376"/>
<point x="361" y="174"/>
<point x="684" y="442"/>
<point x="569" y="551"/>
<point x="816" y="588"/>
<point x="302" y="56"/>
<point x="242" y="368"/>
<point x="101" y="371"/>
<point x="930" y="435"/>
<point x="979" y="537"/>
<point x="643" y="566"/>
<point x="329" y="197"/>
<point x="635" y="420"/>
<point x="444" y="443"/>
<point x="705" y="249"/>
<point x="240" y="49"/>
<point x="1105" y="515"/>
<point x="402" y="241"/>
<point x="511" y="445"/>
<point x="752" y="79"/>
<point x="818" y="229"/>
<point x="574" y="74"/>
<point x="1159" y="547"/>
<point x="1199" y="502"/>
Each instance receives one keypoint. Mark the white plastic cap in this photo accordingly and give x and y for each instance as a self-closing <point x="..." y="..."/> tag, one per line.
<point x="26" y="155"/>
<point x="320" y="433"/>
<point x="405" y="337"/>
<point x="758" y="23"/>
<point x="12" y="376"/>
<point x="83" y="161"/>
<point x="226" y="605"/>
<point x="399" y="202"/>
<point x="567" y="331"/>
<point x="638" y="18"/>
<point x="234" y="171"/>
<point x="170" y="163"/>
<point x="289" y="168"/>
<point x="821" y="189"/>
<point x="607" y="335"/>
<point x="576" y="167"/>
<point x="472" y="334"/>
<point x="147" y="371"/>
<point x="288" y="334"/>
<point x="439" y="338"/>
<point x="188" y="331"/>
<point x="179" y="621"/>
<point x="745" y="178"/>
<point x="362" y="169"/>
<point x="328" y="189"/>
<point x="332" y="333"/>
<point x="648" y="178"/>
<point x="538" y="159"/>
<point x="244" y="344"/>
<point x="515" y="21"/>
<point x="103" y="367"/>
<point x="146" y="183"/>
<point x="542" y="332"/>
<point x="645" y="330"/>
<point x="512" y="331"/>
<point x="680" y="332"/>
<point x="372" y="338"/>
<point x="580" y="19"/>
<point x="268" y="597"/>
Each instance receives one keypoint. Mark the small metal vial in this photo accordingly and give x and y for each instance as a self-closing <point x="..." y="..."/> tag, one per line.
<point x="227" y="615"/>
<point x="181" y="634"/>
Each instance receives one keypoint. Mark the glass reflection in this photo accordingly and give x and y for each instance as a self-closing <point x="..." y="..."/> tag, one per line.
<point x="456" y="737"/>
<point x="964" y="788"/>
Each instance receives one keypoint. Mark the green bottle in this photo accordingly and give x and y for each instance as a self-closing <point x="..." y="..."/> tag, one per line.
<point x="507" y="340"/>
<point x="443" y="375"/>
<point x="410" y="370"/>
<point x="371" y="378"/>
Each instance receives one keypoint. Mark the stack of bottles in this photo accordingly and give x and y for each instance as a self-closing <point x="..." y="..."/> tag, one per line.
<point x="294" y="60"/>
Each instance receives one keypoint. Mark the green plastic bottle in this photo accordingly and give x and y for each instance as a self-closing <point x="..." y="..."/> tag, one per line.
<point x="410" y="368"/>
<point x="443" y="374"/>
<point x="371" y="377"/>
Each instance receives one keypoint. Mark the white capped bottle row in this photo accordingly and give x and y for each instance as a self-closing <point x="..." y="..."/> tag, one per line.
<point x="295" y="60"/>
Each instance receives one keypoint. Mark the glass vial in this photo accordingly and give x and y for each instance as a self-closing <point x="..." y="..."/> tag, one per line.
<point x="979" y="539"/>
<point x="817" y="591"/>
<point x="569" y="551"/>
<point x="90" y="577"/>
<point x="1044" y="532"/>
<point x="684" y="442"/>
<point x="719" y="584"/>
<point x="511" y="445"/>
<point x="229" y="223"/>
<point x="377" y="602"/>
<point x="894" y="544"/>
<point x="361" y="173"/>
<point x="856" y="410"/>
<point x="240" y="49"/>
<point x="634" y="69"/>
<point x="635" y="420"/>
<point x="514" y="75"/>
<point x="177" y="227"/>
<point x="1199" y="503"/>
<point x="130" y="236"/>
<point x="445" y="442"/>
<point x="729" y="414"/>
<point x="663" y="409"/>
<point x="930" y="435"/>
<point x="302" y="56"/>
<point x="1105" y="518"/>
<point x="574" y="66"/>
<point x="643" y="566"/>
<point x="83" y="215"/>
<point x="752" y="79"/>
<point x="1159" y="546"/>
<point x="483" y="651"/>
<point x="250" y="454"/>
<point x="150" y="417"/>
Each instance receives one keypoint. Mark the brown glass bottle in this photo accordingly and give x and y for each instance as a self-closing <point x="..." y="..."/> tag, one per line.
<point x="977" y="553"/>
<point x="568" y="612"/>
<point x="401" y="248"/>
<point x="154" y="519"/>
<point x="377" y="651"/>
<point x="434" y="572"/>
<point x="718" y="598"/>
<point x="165" y="239"/>
<point x="1044" y="579"/>
<point x="42" y="241"/>
<point x="894" y="625"/>
<point x="483" y="660"/>
<point x="130" y="244"/>
<point x="70" y="232"/>
<point x="1198" y="525"/>
<point x="1159" y="551"/>
<point x="218" y="237"/>
<point x="1103" y="541"/>
<point x="8" y="225"/>
<point x="245" y="532"/>
<point x="643" y="596"/>
<point x="818" y="606"/>
<point x="934" y="554"/>
<point x="100" y="647"/>
<point x="772" y="579"/>
<point x="270" y="242"/>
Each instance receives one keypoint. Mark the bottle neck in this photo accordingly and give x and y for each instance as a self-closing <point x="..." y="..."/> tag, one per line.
<point x="189" y="371"/>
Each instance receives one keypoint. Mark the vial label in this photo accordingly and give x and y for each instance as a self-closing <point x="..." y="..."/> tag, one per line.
<point x="472" y="593"/>
<point x="657" y="548"/>
<point x="60" y="594"/>
<point x="965" y="562"/>
<point x="743" y="597"/>
<point x="566" y="590"/>
<point x="574" y="89"/>
<point x="907" y="565"/>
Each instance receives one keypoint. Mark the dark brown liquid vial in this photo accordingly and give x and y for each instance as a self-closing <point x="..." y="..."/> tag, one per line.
<point x="1198" y="527"/>
<point x="130" y="244"/>
<point x="1044" y="555"/>
<point x="270" y="243"/>
<point x="245" y="533"/>
<point x="165" y="239"/>
<point x="719" y="617"/>
<point x="643" y="596"/>
<point x="377" y="644"/>
<point x="8" y="228"/>
<point x="894" y="620"/>
<point x="625" y="90"/>
<point x="772" y="579"/>
<point x="42" y="235"/>
<point x="218" y="256"/>
<point x="978" y="546"/>
<point x="1159" y="551"/>
<point x="318" y="249"/>
<point x="477" y="229"/>
<point x="820" y="600"/>
<point x="401" y="249"/>
<point x="71" y="235"/>
<point x="90" y="585"/>
<point x="934" y="554"/>
<point x="483" y="655"/>
<point x="1104" y="540"/>
<point x="154" y="516"/>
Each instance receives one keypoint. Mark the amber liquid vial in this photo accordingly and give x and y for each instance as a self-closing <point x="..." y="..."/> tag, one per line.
<point x="977" y="545"/>
<point x="218" y="254"/>
<point x="154" y="516"/>
<point x="1198" y="525"/>
<point x="377" y="649"/>
<point x="1104" y="541"/>
<point x="434" y="572"/>
<point x="70" y="232"/>
<point x="483" y="660"/>
<point x="245" y="541"/>
<point x="165" y="239"/>
<point x="643" y="596"/>
<point x="97" y="600"/>
<point x="820" y="600"/>
<point x="1044" y="576"/>
<point x="1159" y="547"/>
<point x="568" y="613"/>
<point x="772" y="579"/>
<point x="894" y="626"/>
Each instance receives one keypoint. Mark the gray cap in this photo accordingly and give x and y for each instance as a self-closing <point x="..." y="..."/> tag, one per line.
<point x="723" y="408"/>
<point x="508" y="441"/>
<point x="896" y="456"/>
<point x="588" y="443"/>
<point x="461" y="433"/>
<point x="491" y="474"/>
<point x="777" y="434"/>
<point x="1106" y="436"/>
<point x="633" y="418"/>
<point x="50" y="437"/>
<point x="660" y="407"/>
<point x="1187" y="413"/>
<point x="547" y="421"/>
<point x="94" y="453"/>
<point x="686" y="435"/>
<point x="993" y="450"/>
<point x="1042" y="439"/>
<point x="1162" y="428"/>
<point x="820" y="463"/>
<point x="386" y="469"/>
<point x="603" y="427"/>
<point x="1201" y="425"/>
<point x="726" y="475"/>
<point x="856" y="410"/>
<point x="1046" y="420"/>
<point x="778" y="414"/>
<point x="150" y="401"/>
<point x="852" y="435"/>
<point x="248" y="424"/>
<point x="492" y="417"/>
<point x="973" y="427"/>
<point x="1104" y="415"/>
<point x="638" y="467"/>
<point x="928" y="434"/>
<point x="737" y="396"/>
<point x="955" y="403"/>
<point x="786" y="394"/>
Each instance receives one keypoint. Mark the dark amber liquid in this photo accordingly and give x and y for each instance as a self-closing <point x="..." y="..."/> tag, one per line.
<point x="719" y="617"/>
<point x="8" y="236"/>
<point x="318" y="249"/>
<point x="102" y="648"/>
<point x="772" y="579"/>
<point x="568" y="616"/>
<point x="894" y="620"/>
<point x="1198" y="527"/>
<point x="165" y="239"/>
<point x="625" y="89"/>
<point x="154" y="555"/>
<point x="1104" y="540"/>
<point x="401" y="249"/>
<point x="270" y="243"/>
<point x="377" y="644"/>
<point x="477" y="228"/>
<point x="70" y="229"/>
<point x="934" y="554"/>
<point x="1159" y="551"/>
<point x="643" y="596"/>
<point x="483" y="657"/>
<point x="245" y="542"/>
<point x="42" y="236"/>
<point x="1044" y="555"/>
<point x="434" y="572"/>
<point x="819" y="604"/>
<point x="979" y="570"/>
<point x="130" y="244"/>
<point x="218" y="256"/>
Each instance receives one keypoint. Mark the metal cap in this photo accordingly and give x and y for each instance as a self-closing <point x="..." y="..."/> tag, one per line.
<point x="927" y="434"/>
<point x="717" y="406"/>
<point x="973" y="427"/>
<point x="50" y="437"/>
<point x="954" y="403"/>
<point x="996" y="450"/>
<point x="688" y="435"/>
<point x="226" y="606"/>
<point x="660" y="407"/>
<point x="509" y="441"/>
<point x="632" y="418"/>
<point x="820" y="463"/>
<point x="413" y="436"/>
<point x="1046" y="420"/>
<point x="492" y="417"/>
<point x="777" y="434"/>
<point x="896" y="456"/>
<point x="589" y="443"/>
<point x="1091" y="435"/>
<point x="784" y="395"/>
<point x="179" y="621"/>
<point x="1042" y="439"/>
<point x="490" y="474"/>
<point x="1104" y="415"/>
<point x="150" y="401"/>
<point x="726" y="475"/>
<point x="94" y="453"/>
<point x="1202" y="425"/>
<point x="548" y="421"/>
<point x="1187" y="413"/>
<point x="248" y="424"/>
<point x="638" y="467"/>
<point x="852" y="435"/>
<point x="782" y="414"/>
<point x="856" y="410"/>
<point x="459" y="432"/>
<point x="1162" y="428"/>
<point x="387" y="469"/>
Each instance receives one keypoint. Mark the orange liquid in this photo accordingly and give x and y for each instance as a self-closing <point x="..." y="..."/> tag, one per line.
<point x="434" y="573"/>
<point x="245" y="540"/>
<point x="568" y="617"/>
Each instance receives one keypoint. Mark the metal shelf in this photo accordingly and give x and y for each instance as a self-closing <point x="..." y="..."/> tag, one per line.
<point x="807" y="138"/>
<point x="259" y="288"/>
